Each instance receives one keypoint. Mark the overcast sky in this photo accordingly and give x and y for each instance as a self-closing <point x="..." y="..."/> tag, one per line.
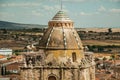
<point x="84" y="13"/>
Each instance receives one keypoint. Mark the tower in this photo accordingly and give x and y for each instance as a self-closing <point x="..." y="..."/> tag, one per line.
<point x="61" y="41"/>
<point x="61" y="55"/>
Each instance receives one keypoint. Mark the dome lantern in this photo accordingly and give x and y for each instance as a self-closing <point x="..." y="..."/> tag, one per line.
<point x="61" y="20"/>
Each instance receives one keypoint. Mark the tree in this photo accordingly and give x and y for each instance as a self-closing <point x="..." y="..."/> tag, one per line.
<point x="112" y="56"/>
<point x="97" y="59"/>
<point x="4" y="31"/>
<point x="104" y="59"/>
<point x="110" y="30"/>
<point x="100" y="49"/>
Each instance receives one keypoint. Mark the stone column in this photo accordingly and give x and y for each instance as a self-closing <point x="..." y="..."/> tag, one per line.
<point x="42" y="74"/>
<point x="93" y="72"/>
<point x="73" y="74"/>
<point x="61" y="74"/>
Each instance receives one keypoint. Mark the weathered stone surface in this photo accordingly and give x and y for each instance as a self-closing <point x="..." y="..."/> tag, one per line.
<point x="62" y="56"/>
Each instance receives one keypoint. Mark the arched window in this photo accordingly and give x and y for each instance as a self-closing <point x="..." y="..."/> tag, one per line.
<point x="51" y="78"/>
<point x="59" y="25"/>
<point x="65" y="24"/>
<point x="70" y="24"/>
<point x="74" y="56"/>
<point x="53" y="25"/>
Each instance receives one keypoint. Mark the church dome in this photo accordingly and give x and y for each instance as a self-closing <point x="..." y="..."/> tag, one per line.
<point x="61" y="34"/>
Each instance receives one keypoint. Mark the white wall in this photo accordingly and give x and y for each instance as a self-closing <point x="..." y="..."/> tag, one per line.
<point x="5" y="51"/>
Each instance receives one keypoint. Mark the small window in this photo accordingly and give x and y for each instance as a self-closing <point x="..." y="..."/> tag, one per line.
<point x="74" y="56"/>
<point x="38" y="58"/>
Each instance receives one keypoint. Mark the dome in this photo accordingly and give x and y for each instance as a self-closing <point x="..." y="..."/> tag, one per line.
<point x="61" y="34"/>
<point x="61" y="38"/>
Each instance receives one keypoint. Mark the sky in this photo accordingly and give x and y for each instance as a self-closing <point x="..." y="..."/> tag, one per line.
<point x="84" y="13"/>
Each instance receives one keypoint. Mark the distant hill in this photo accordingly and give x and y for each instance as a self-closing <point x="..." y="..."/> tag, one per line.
<point x="98" y="29"/>
<point x="12" y="25"/>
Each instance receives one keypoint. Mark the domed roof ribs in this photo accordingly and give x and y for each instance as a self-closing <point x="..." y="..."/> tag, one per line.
<point x="76" y="38"/>
<point x="48" y="40"/>
<point x="61" y="34"/>
<point x="64" y="39"/>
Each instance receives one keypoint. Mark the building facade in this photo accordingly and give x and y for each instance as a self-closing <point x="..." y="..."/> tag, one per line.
<point x="60" y="56"/>
<point x="5" y="51"/>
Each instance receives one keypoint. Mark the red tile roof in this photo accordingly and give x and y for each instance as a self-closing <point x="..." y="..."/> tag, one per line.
<point x="1" y="56"/>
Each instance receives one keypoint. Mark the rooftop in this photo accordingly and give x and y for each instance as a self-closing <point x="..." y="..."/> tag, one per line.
<point x="61" y="16"/>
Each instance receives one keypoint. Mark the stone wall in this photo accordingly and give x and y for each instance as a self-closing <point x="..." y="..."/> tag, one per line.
<point x="60" y="73"/>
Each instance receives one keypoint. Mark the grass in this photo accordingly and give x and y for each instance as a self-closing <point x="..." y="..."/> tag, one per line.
<point x="101" y="42"/>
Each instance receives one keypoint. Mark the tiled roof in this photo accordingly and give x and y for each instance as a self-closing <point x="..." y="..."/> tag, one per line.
<point x="1" y="56"/>
<point x="13" y="66"/>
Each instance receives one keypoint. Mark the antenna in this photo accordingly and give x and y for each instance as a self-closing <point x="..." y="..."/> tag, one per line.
<point x="61" y="4"/>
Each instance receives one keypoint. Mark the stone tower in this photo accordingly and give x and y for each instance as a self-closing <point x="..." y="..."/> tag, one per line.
<point x="60" y="56"/>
